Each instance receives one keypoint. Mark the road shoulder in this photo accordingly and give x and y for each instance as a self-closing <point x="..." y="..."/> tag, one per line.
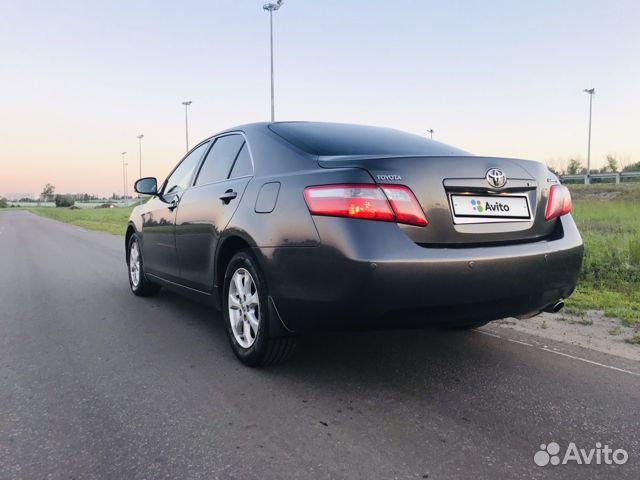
<point x="556" y="334"/>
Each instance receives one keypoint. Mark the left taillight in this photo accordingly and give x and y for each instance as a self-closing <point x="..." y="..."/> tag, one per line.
<point x="389" y="203"/>
<point x="558" y="203"/>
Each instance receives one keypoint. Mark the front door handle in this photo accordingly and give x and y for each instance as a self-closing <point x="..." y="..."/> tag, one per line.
<point x="227" y="196"/>
<point x="174" y="204"/>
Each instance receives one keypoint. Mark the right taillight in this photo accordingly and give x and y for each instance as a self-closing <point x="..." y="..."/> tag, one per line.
<point x="405" y="205"/>
<point x="389" y="203"/>
<point x="558" y="203"/>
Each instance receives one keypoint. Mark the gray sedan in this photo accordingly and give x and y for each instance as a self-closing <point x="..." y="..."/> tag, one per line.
<point x="292" y="227"/>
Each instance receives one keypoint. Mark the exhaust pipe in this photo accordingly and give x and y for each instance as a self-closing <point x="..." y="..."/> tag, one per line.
<point x="554" y="307"/>
<point x="551" y="308"/>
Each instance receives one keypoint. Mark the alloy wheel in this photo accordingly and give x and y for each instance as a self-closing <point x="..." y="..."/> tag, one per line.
<point x="244" y="308"/>
<point x="134" y="264"/>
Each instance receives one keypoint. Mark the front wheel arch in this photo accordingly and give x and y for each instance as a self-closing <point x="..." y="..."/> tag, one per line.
<point x="143" y="287"/>
<point x="130" y="232"/>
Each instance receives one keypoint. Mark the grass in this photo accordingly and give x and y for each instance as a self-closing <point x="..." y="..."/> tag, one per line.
<point x="615" y="331"/>
<point x="111" y="220"/>
<point x="635" y="340"/>
<point x="608" y="217"/>
<point x="616" y="301"/>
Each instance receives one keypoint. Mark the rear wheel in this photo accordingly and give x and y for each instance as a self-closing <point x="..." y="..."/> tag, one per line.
<point x="140" y="285"/>
<point x="247" y="316"/>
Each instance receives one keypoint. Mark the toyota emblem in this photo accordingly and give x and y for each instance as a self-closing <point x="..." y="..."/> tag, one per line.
<point x="496" y="178"/>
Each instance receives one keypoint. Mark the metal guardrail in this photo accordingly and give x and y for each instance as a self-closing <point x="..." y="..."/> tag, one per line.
<point x="616" y="176"/>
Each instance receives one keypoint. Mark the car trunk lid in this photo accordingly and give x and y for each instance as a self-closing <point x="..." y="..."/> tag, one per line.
<point x="447" y="187"/>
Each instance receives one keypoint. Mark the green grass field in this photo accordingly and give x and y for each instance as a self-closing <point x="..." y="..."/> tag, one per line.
<point x="112" y="220"/>
<point x="608" y="217"/>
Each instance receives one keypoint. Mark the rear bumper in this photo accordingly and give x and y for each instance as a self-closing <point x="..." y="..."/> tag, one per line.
<point x="369" y="274"/>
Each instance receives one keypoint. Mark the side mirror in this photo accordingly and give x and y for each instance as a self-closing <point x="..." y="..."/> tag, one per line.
<point x="146" y="186"/>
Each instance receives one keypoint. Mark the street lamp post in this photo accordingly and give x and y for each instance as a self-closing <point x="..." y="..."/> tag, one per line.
<point x="430" y="132"/>
<point x="272" y="7"/>
<point x="140" y="137"/>
<point x="124" y="177"/>
<point x="591" y="92"/>
<point x="186" y="120"/>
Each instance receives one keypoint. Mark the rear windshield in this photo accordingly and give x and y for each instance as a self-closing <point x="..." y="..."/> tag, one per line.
<point x="329" y="139"/>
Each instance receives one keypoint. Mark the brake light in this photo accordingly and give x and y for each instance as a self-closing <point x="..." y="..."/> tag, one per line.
<point x="558" y="203"/>
<point x="404" y="204"/>
<point x="389" y="203"/>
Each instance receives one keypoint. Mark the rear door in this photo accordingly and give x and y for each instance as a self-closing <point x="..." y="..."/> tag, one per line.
<point x="207" y="207"/>
<point x="158" y="221"/>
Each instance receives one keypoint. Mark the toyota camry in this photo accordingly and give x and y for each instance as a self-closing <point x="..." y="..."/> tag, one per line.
<point x="291" y="227"/>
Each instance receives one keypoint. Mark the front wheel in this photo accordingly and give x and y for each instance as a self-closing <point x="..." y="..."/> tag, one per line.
<point x="246" y="314"/>
<point x="140" y="285"/>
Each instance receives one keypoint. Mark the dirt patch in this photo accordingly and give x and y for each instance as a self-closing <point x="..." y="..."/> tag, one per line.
<point x="591" y="330"/>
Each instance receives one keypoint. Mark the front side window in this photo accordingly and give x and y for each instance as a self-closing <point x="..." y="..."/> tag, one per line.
<point x="219" y="160"/>
<point x="179" y="179"/>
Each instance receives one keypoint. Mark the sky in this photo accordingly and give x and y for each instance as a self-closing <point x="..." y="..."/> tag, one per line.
<point x="79" y="80"/>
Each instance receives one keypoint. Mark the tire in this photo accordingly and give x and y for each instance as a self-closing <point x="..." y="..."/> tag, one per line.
<point x="247" y="315"/>
<point x="140" y="284"/>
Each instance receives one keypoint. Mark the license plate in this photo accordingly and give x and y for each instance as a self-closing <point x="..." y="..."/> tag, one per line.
<point x="492" y="208"/>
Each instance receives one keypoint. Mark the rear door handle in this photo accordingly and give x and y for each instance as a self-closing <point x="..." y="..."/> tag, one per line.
<point x="227" y="196"/>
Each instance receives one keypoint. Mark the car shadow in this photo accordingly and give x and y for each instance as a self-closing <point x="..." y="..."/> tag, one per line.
<point x="451" y="375"/>
<point x="390" y="357"/>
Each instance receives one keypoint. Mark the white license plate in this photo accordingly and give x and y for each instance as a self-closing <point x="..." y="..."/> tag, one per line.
<point x="493" y="208"/>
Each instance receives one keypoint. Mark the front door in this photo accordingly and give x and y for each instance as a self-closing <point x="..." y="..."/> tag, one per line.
<point x="159" y="219"/>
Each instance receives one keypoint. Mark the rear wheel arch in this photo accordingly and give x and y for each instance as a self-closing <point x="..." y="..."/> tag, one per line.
<point x="230" y="245"/>
<point x="264" y="348"/>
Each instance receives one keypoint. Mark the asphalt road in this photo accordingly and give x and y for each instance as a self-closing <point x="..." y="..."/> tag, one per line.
<point x="96" y="383"/>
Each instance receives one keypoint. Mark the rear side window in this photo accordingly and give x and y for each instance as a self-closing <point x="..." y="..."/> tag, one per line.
<point x="218" y="163"/>
<point x="243" y="165"/>
<point x="330" y="139"/>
